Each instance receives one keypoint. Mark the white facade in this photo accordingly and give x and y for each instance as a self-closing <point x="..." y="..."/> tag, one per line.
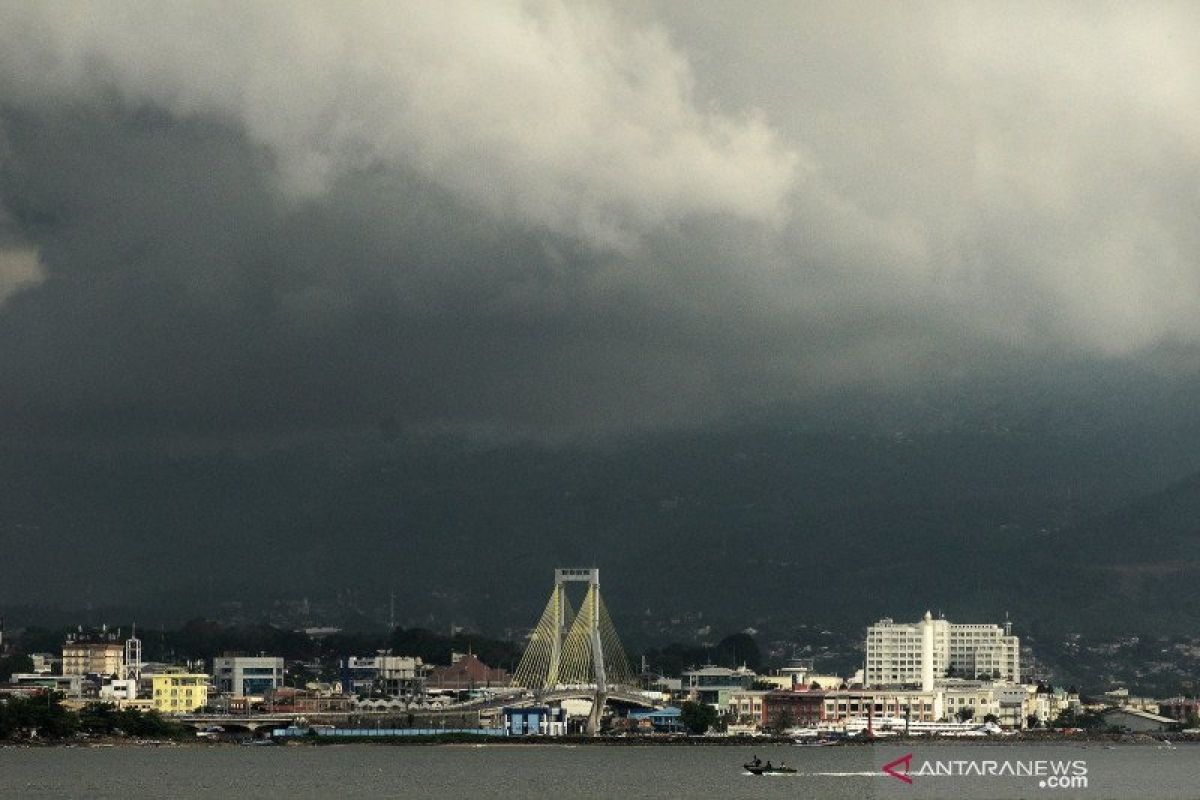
<point x="243" y="676"/>
<point x="922" y="653"/>
<point x="119" y="690"/>
<point x="390" y="674"/>
<point x="44" y="663"/>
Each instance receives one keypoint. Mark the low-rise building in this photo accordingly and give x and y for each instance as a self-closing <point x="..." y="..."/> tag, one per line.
<point x="1122" y="699"/>
<point x="1180" y="708"/>
<point x="286" y="700"/>
<point x="803" y="708"/>
<point x="659" y="720"/>
<point x="671" y="688"/>
<point x="826" y="682"/>
<point x="247" y="676"/>
<point x="843" y="704"/>
<point x="69" y="685"/>
<point x="383" y="673"/>
<point x="799" y="673"/>
<point x="45" y="663"/>
<point x="746" y="708"/>
<point x="535" y="721"/>
<point x="118" y="690"/>
<point x="1132" y="721"/>
<point x="124" y="694"/>
<point x="974" y="700"/>
<point x="1047" y="703"/>
<point x="178" y="692"/>
<point x="713" y="685"/>
<point x="466" y="672"/>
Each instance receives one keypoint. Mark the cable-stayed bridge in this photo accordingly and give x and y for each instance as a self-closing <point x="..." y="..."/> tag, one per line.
<point x="573" y="654"/>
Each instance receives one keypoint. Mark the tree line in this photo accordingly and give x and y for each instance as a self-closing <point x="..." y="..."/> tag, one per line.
<point x="45" y="717"/>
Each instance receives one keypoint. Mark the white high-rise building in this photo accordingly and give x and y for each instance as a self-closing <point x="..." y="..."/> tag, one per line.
<point x="921" y="653"/>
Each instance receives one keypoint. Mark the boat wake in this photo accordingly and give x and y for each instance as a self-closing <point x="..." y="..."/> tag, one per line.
<point x="845" y="774"/>
<point x="816" y="774"/>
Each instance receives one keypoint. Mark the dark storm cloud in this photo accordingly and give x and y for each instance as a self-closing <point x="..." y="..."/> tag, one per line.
<point x="549" y="219"/>
<point x="180" y="293"/>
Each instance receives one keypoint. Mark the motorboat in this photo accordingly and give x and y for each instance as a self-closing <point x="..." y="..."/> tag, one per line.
<point x="757" y="767"/>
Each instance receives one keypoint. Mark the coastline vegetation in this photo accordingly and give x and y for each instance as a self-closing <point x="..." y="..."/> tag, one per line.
<point x="46" y="718"/>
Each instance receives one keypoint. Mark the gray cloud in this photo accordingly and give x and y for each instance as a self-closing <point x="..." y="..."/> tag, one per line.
<point x="1031" y="169"/>
<point x="556" y="114"/>
<point x="552" y="218"/>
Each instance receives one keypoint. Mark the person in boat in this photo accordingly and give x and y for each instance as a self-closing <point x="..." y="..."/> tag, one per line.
<point x="768" y="764"/>
<point x="756" y="762"/>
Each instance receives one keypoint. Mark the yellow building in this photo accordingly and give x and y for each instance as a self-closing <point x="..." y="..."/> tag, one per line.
<point x="179" y="692"/>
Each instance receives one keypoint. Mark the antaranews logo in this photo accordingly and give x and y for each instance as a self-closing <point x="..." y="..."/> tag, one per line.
<point x="1050" y="773"/>
<point x="899" y="768"/>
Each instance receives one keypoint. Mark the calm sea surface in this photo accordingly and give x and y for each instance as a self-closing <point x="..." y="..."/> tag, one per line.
<point x="558" y="771"/>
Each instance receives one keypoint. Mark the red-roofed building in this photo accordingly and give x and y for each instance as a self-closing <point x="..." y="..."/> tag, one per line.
<point x="466" y="672"/>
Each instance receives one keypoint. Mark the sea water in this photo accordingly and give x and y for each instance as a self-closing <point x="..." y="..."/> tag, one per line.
<point x="575" y="771"/>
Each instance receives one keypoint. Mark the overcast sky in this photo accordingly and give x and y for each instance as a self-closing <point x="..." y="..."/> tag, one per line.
<point x="547" y="218"/>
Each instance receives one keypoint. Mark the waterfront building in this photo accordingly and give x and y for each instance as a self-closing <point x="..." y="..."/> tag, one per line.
<point x="1180" y="708"/>
<point x="803" y="708"/>
<point x="974" y="700"/>
<point x="287" y="700"/>
<point x="1131" y="721"/>
<point x="93" y="653"/>
<point x="951" y="700"/>
<point x="1122" y="699"/>
<point x="178" y="692"/>
<point x="1047" y="703"/>
<point x="843" y="704"/>
<point x="247" y="676"/>
<point x="921" y="653"/>
<point x="466" y="672"/>
<point x="383" y="673"/>
<point x="713" y="685"/>
<point x="659" y="720"/>
<point x="744" y="708"/>
<point x="535" y="721"/>
<point x="123" y="693"/>
<point x="811" y="708"/>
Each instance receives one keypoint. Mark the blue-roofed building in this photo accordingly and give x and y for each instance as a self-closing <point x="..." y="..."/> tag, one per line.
<point x="660" y="720"/>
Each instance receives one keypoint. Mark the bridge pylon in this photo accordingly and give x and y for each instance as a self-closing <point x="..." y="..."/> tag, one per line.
<point x="568" y="648"/>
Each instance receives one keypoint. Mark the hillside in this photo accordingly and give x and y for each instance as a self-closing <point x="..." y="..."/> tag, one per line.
<point x="747" y="526"/>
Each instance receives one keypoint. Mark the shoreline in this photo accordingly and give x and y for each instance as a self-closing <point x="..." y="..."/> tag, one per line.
<point x="470" y="740"/>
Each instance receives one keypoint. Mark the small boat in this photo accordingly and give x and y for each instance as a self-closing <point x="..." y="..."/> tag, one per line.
<point x="757" y="767"/>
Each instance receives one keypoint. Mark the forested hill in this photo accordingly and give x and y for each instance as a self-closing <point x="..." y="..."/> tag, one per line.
<point x="734" y="527"/>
